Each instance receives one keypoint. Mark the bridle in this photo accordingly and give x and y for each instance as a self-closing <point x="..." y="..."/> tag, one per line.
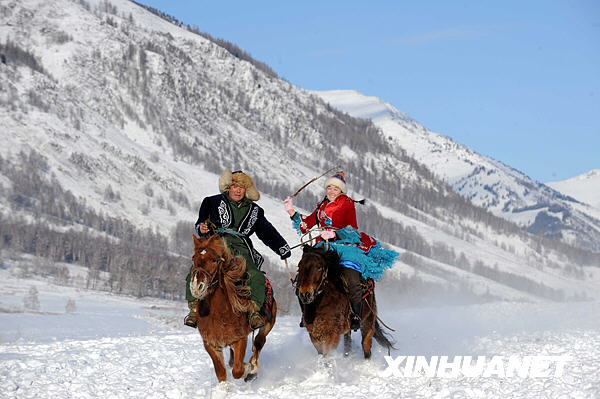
<point x="319" y="289"/>
<point x="212" y="277"/>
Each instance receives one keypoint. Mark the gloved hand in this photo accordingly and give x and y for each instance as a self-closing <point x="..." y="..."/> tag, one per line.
<point x="288" y="204"/>
<point x="286" y="255"/>
<point x="327" y="235"/>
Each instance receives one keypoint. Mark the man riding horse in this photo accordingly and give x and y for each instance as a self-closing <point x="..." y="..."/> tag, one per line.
<point x="236" y="217"/>
<point x="361" y="255"/>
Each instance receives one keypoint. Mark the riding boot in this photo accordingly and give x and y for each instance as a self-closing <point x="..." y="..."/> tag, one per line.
<point x="191" y="319"/>
<point x="255" y="319"/>
<point x="352" y="278"/>
<point x="356" y="314"/>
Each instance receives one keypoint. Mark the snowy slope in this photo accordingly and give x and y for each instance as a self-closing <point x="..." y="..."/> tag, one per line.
<point x="486" y="182"/>
<point x="155" y="112"/>
<point x="120" y="347"/>
<point x="584" y="188"/>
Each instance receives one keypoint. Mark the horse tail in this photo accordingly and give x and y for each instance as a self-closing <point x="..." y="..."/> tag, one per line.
<point x="383" y="338"/>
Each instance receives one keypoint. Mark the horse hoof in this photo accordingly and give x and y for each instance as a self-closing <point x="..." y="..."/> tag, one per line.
<point x="250" y="377"/>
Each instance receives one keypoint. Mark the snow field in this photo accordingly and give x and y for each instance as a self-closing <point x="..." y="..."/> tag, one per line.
<point x="122" y="347"/>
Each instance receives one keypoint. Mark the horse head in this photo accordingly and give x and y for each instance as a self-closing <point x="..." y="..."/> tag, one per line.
<point x="210" y="254"/>
<point x="313" y="271"/>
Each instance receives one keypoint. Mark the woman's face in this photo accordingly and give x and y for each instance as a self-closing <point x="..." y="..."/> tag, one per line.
<point x="333" y="192"/>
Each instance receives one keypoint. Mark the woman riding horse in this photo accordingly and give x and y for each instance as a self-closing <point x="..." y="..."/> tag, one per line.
<point x="361" y="255"/>
<point x="237" y="217"/>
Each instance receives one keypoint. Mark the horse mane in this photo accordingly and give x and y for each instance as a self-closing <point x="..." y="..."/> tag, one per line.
<point x="237" y="292"/>
<point x="231" y="276"/>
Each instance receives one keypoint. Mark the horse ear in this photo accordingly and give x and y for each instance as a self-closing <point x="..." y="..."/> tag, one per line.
<point x="306" y="248"/>
<point x="331" y="257"/>
<point x="196" y="241"/>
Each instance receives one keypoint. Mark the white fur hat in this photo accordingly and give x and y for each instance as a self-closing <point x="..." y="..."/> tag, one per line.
<point x="338" y="180"/>
<point x="238" y="177"/>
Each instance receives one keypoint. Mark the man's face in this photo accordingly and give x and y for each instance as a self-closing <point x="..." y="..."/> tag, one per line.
<point x="236" y="192"/>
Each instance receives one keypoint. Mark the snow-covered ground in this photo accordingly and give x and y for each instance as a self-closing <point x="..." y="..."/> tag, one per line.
<point x="122" y="347"/>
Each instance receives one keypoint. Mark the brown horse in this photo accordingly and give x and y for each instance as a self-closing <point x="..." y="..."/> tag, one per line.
<point x="224" y="302"/>
<point x="320" y="289"/>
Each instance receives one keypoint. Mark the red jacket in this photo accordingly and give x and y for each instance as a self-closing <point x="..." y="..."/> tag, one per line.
<point x="336" y="215"/>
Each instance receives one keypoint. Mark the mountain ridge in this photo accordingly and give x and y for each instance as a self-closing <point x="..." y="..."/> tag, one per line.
<point x="585" y="187"/>
<point x="137" y="117"/>
<point x="486" y="182"/>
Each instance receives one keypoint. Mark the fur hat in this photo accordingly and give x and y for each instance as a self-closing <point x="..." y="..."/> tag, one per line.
<point x="338" y="180"/>
<point x="238" y="177"/>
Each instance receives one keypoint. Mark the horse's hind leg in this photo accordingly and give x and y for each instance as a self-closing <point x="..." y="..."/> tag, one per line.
<point x="239" y="352"/>
<point x="216" y="354"/>
<point x="367" y="340"/>
<point x="259" y="342"/>
<point x="347" y="343"/>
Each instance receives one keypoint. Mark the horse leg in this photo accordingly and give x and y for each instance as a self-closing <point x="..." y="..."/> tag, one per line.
<point x="231" y="356"/>
<point x="367" y="340"/>
<point x="368" y="327"/>
<point x="347" y="343"/>
<point x="331" y="342"/>
<point x="259" y="343"/>
<point x="319" y="346"/>
<point x="239" y="351"/>
<point x="216" y="354"/>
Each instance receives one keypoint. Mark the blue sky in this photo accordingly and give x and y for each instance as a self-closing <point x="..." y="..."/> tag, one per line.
<point x="516" y="80"/>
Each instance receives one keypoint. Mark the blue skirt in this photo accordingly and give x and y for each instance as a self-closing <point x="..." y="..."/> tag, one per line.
<point x="370" y="264"/>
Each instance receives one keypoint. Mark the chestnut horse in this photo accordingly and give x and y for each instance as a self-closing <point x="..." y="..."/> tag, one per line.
<point x="223" y="305"/>
<point x="320" y="289"/>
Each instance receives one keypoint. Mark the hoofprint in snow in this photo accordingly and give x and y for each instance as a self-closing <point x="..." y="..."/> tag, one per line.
<point x="122" y="347"/>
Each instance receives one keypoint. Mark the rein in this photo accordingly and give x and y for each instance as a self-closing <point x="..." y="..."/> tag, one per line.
<point x="212" y="278"/>
<point x="310" y="238"/>
<point x="319" y="287"/>
<point x="323" y="278"/>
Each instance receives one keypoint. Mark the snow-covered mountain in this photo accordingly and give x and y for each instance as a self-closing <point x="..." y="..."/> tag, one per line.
<point x="115" y="121"/>
<point x="486" y="182"/>
<point x="584" y="188"/>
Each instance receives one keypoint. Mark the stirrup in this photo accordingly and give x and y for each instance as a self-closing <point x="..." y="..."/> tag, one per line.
<point x="255" y="320"/>
<point x="191" y="320"/>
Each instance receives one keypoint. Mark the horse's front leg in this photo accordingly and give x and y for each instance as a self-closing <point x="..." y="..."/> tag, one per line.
<point x="239" y="352"/>
<point x="216" y="354"/>
<point x="347" y="343"/>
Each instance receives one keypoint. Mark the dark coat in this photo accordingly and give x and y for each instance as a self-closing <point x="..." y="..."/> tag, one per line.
<point x="218" y="210"/>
